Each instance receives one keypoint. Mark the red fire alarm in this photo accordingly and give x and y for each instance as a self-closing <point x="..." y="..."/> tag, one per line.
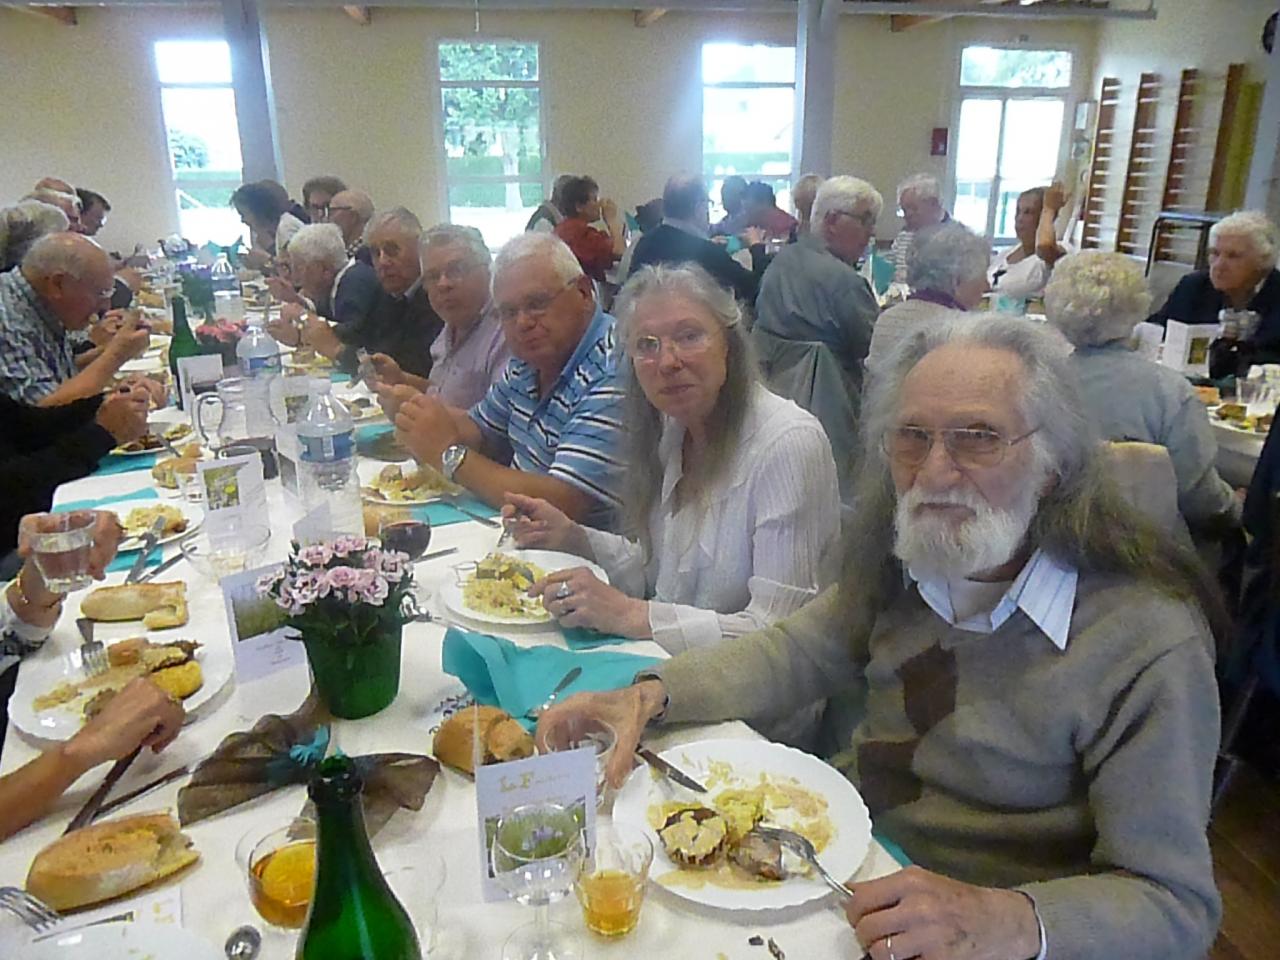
<point x="938" y="142"/>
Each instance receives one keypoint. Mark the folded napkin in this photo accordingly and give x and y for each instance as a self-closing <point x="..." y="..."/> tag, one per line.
<point x="584" y="638"/>
<point x="442" y="512"/>
<point x="282" y="751"/>
<point x="500" y="674"/>
<point x="114" y="463"/>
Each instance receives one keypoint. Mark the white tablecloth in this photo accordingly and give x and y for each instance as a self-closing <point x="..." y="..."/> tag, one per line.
<point x="214" y="897"/>
<point x="1238" y="452"/>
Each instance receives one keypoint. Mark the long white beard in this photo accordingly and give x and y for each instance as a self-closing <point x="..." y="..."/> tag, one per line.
<point x="937" y="546"/>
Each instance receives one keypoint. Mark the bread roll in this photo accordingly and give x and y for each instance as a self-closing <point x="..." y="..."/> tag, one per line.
<point x="108" y="860"/>
<point x="501" y="739"/>
<point x="157" y="605"/>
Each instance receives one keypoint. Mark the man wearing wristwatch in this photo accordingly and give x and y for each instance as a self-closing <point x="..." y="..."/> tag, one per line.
<point x="549" y="426"/>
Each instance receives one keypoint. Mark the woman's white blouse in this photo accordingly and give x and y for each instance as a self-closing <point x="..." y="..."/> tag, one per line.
<point x="1018" y="281"/>
<point x="753" y="550"/>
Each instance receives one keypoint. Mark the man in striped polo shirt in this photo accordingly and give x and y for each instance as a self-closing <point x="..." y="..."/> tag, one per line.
<point x="550" y="425"/>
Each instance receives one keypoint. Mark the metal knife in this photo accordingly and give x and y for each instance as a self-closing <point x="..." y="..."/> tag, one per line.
<point x="484" y="521"/>
<point x="148" y="544"/>
<point x="146" y="788"/>
<point x="668" y="770"/>
<point x="94" y="803"/>
<point x="156" y="571"/>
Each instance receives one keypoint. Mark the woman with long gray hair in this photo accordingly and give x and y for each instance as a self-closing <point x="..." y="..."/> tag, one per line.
<point x="732" y="501"/>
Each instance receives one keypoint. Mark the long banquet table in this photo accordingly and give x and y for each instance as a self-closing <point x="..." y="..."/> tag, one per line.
<point x="214" y="898"/>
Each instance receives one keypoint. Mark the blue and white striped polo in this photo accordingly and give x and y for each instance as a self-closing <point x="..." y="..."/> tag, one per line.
<point x="574" y="432"/>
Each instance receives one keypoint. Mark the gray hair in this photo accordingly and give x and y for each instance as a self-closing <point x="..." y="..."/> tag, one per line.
<point x="359" y="201"/>
<point x="1082" y="520"/>
<point x="1095" y="297"/>
<point x="400" y="217"/>
<point x="845" y="195"/>
<point x="522" y="246"/>
<point x="22" y="225"/>
<point x="53" y="254"/>
<point x="923" y="185"/>
<point x="1253" y="226"/>
<point x="451" y="234"/>
<point x="642" y="421"/>
<point x="319" y="243"/>
<point x="947" y="256"/>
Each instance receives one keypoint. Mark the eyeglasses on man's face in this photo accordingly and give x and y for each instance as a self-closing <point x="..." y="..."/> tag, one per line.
<point x="686" y="345"/>
<point x="534" y="306"/>
<point x="453" y="272"/>
<point x="968" y="447"/>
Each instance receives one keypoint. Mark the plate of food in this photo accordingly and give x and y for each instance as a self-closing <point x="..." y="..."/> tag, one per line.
<point x="407" y="486"/>
<point x="362" y="408"/>
<point x="494" y="589"/>
<point x="53" y="698"/>
<point x="705" y="850"/>
<point x="151" y="441"/>
<point x="137" y="517"/>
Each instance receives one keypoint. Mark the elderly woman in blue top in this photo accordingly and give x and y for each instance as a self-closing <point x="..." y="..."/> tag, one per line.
<point x="550" y="426"/>
<point x="731" y="500"/>
<point x="1094" y="299"/>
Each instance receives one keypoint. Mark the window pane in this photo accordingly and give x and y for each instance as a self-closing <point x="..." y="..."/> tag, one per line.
<point x="747" y="131"/>
<point x="498" y="211"/>
<point x="492" y="131"/>
<point x="747" y="63"/>
<point x="202" y="131"/>
<point x="488" y="61"/>
<point x="205" y="214"/>
<point x="193" y="61"/>
<point x="1032" y="132"/>
<point x="979" y="140"/>
<point x="972" y="202"/>
<point x="994" y="67"/>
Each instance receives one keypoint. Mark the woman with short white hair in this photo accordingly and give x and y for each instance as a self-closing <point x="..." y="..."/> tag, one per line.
<point x="1095" y="299"/>
<point x="947" y="273"/>
<point x="1242" y="275"/>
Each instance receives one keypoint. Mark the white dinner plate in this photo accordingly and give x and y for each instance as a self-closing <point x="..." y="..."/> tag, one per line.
<point x="40" y="674"/>
<point x="749" y="758"/>
<point x="125" y="941"/>
<point x="548" y="560"/>
<point x="368" y="470"/>
<point x="143" y="364"/>
<point x="121" y="452"/>
<point x="193" y="514"/>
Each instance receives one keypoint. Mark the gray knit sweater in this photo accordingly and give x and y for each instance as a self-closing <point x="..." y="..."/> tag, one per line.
<point x="1081" y="777"/>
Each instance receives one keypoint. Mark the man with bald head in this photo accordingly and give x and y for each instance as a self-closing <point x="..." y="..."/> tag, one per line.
<point x="351" y="211"/>
<point x="63" y="281"/>
<point x="682" y="238"/>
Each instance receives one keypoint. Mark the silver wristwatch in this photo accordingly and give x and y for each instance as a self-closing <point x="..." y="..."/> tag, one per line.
<point x="452" y="459"/>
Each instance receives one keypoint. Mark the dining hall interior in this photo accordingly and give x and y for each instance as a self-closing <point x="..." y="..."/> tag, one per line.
<point x="837" y="432"/>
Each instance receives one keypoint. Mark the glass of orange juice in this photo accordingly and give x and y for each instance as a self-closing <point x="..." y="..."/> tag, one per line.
<point x="612" y="882"/>
<point x="280" y="867"/>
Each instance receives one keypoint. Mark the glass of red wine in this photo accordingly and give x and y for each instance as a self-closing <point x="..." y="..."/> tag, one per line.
<point x="405" y="535"/>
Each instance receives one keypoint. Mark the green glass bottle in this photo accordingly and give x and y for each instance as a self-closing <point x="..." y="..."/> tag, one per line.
<point x="183" y="343"/>
<point x="354" y="915"/>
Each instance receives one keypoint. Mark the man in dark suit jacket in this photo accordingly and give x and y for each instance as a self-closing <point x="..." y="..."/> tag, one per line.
<point x="339" y="289"/>
<point x="1242" y="274"/>
<point x="682" y="238"/>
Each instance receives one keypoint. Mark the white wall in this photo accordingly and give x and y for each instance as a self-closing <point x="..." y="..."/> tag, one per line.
<point x="622" y="103"/>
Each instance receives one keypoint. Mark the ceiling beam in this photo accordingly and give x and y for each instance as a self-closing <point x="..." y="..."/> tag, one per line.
<point x="902" y="22"/>
<point x="361" y="15"/>
<point x="65" y="15"/>
<point x="646" y="18"/>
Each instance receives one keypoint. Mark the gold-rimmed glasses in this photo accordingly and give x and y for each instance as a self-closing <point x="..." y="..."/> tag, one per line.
<point x="967" y="446"/>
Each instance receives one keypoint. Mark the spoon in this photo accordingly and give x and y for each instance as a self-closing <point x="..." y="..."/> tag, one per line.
<point x="243" y="944"/>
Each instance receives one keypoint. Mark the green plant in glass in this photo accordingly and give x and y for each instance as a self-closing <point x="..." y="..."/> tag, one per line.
<point x="536" y="853"/>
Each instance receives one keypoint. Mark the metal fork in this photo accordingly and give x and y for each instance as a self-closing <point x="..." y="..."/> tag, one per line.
<point x="31" y="911"/>
<point x="93" y="654"/>
<point x="801" y="847"/>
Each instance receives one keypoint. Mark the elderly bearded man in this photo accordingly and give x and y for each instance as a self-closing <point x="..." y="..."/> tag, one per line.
<point x="1039" y="716"/>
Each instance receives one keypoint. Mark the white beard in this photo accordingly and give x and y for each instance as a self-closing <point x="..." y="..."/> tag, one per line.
<point x="937" y="546"/>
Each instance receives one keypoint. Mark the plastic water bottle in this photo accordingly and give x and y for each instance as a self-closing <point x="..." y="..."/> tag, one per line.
<point x="257" y="351"/>
<point x="327" y="471"/>
<point x="223" y="276"/>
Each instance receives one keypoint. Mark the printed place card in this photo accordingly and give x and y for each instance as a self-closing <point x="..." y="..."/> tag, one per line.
<point x="235" y="494"/>
<point x="262" y="644"/>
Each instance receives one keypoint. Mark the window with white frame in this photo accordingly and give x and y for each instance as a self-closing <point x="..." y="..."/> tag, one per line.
<point x="1013" y="106"/>
<point x="491" y="110"/>
<point x="748" y="114"/>
<point x="199" y="109"/>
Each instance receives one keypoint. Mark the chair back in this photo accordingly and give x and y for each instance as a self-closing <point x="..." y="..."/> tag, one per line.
<point x="1144" y="474"/>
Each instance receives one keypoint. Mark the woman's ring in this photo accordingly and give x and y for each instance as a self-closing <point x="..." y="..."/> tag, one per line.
<point x="563" y="592"/>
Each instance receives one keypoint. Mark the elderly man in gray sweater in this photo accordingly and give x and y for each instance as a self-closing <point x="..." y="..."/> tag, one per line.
<point x="1033" y="660"/>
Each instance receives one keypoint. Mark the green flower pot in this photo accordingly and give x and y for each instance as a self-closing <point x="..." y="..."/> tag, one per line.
<point x="356" y="680"/>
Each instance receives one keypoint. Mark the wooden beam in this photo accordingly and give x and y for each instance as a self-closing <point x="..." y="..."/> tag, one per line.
<point x="360" y="14"/>
<point x="646" y="18"/>
<point x="901" y="22"/>
<point x="63" y="14"/>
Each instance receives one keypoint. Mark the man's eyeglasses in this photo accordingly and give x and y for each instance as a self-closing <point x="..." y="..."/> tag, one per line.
<point x="318" y="211"/>
<point x="866" y="217"/>
<point x="686" y="345"/>
<point x="453" y="272"/>
<point x="967" y="446"/>
<point x="534" y="307"/>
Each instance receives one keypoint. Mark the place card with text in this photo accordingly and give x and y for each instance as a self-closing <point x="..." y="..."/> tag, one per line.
<point x="260" y="641"/>
<point x="235" y="494"/>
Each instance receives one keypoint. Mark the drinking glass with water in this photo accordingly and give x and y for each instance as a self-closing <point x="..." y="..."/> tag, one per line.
<point x="61" y="544"/>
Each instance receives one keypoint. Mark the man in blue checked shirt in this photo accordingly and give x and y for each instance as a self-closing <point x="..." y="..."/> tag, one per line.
<point x="549" y="426"/>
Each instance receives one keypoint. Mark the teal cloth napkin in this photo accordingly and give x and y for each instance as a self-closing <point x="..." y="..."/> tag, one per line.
<point x="584" y="638"/>
<point x="125" y="558"/>
<point x="441" y="513"/>
<point x="114" y="463"/>
<point x="893" y="850"/>
<point x="500" y="674"/>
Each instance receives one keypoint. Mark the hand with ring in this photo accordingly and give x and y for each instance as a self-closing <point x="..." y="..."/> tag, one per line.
<point x="576" y="597"/>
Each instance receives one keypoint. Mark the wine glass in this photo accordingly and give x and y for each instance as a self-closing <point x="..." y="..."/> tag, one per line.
<point x="536" y="854"/>
<point x="401" y="532"/>
<point x="583" y="731"/>
<point x="279" y="866"/>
